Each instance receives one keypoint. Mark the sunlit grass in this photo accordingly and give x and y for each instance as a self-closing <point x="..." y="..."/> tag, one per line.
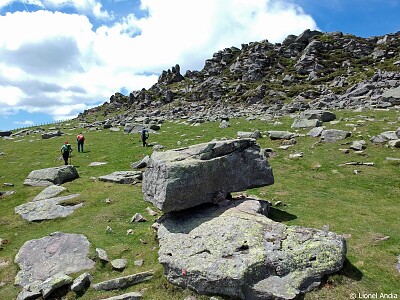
<point x="315" y="189"/>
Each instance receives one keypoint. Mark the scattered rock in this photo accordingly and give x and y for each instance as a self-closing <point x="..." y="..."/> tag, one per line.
<point x="119" y="264"/>
<point x="81" y="283"/>
<point x="334" y="135"/>
<point x="54" y="282"/>
<point x="57" y="253"/>
<point x="138" y="218"/>
<point x="151" y="212"/>
<point x="139" y="262"/>
<point x="50" y="176"/>
<point x="122" y="177"/>
<point x="49" y="192"/>
<point x="123" y="282"/>
<point x="97" y="163"/>
<point x="141" y="163"/>
<point x="102" y="255"/>
<point x="296" y="155"/>
<point x="357" y="145"/>
<point x="47" y="209"/>
<point x="204" y="170"/>
<point x="127" y="296"/>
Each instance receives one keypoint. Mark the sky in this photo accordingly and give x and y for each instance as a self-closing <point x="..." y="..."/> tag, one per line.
<point x="60" y="57"/>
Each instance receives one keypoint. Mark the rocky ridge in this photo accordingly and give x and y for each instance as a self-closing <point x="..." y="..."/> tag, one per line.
<point x="314" y="70"/>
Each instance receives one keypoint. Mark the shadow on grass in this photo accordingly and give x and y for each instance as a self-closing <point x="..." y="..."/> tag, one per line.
<point x="350" y="271"/>
<point x="280" y="215"/>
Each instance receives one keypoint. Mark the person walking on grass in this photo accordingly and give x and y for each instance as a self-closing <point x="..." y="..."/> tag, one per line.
<point x="65" y="152"/>
<point x="80" y="139"/>
<point x="145" y="136"/>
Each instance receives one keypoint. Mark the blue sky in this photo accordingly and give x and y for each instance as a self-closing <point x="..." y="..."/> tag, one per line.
<point x="60" y="57"/>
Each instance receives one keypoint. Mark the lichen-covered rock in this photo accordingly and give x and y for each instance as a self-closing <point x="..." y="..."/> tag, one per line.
<point x="321" y="115"/>
<point x="49" y="176"/>
<point x="57" y="253"/>
<point x="47" y="209"/>
<point x="238" y="252"/>
<point x="127" y="296"/>
<point x="178" y="179"/>
<point x="305" y="123"/>
<point x="49" y="192"/>
<point x="81" y="282"/>
<point x="54" y="282"/>
<point x="123" y="282"/>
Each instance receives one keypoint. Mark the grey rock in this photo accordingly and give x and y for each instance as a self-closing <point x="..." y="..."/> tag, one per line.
<point x="379" y="139"/>
<point x="138" y="218"/>
<point x="49" y="192"/>
<point x="394" y="143"/>
<point x="119" y="264"/>
<point x="5" y="133"/>
<point x="127" y="296"/>
<point x="123" y="282"/>
<point x="390" y="135"/>
<point x="224" y="124"/>
<point x="237" y="251"/>
<point x="49" y="176"/>
<point x="81" y="282"/>
<point x="97" y="163"/>
<point x="357" y="145"/>
<point x="57" y="253"/>
<point x="249" y="135"/>
<point x="186" y="177"/>
<point x="398" y="264"/>
<point x="315" y="132"/>
<point x="122" y="177"/>
<point x="334" y="135"/>
<point x="280" y="135"/>
<point x="102" y="255"/>
<point x="398" y="132"/>
<point x="51" y="134"/>
<point x="305" y="123"/>
<point x="30" y="291"/>
<point x="141" y="163"/>
<point x="6" y="193"/>
<point x="139" y="262"/>
<point x="54" y="282"/>
<point x="47" y="209"/>
<point x="321" y="115"/>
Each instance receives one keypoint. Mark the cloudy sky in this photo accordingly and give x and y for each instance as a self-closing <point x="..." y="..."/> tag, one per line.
<point x="60" y="57"/>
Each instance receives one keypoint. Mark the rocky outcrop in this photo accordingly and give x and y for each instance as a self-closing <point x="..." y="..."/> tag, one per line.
<point x="237" y="251"/>
<point x="122" y="177"/>
<point x="186" y="177"/>
<point x="49" y="176"/>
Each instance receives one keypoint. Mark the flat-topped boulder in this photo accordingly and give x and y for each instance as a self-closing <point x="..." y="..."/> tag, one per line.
<point x="122" y="177"/>
<point x="187" y="177"/>
<point x="47" y="209"/>
<point x="59" y="252"/>
<point x="49" y="176"/>
<point x="237" y="251"/>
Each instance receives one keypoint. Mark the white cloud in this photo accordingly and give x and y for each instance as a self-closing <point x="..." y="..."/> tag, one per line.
<point x="56" y="63"/>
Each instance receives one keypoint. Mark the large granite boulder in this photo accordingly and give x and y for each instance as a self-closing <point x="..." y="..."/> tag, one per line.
<point x="183" y="178"/>
<point x="238" y="252"/>
<point x="334" y="135"/>
<point x="321" y="115"/>
<point x="59" y="252"/>
<point x="49" y="176"/>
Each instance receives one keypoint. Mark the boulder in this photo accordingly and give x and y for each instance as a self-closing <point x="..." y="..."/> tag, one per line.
<point x="81" y="283"/>
<point x="182" y="178"/>
<point x="5" y="133"/>
<point x="334" y="135"/>
<point x="280" y="135"/>
<point x="236" y="251"/>
<point x="249" y="134"/>
<point x="141" y="163"/>
<point x="127" y="296"/>
<point x="51" y="134"/>
<point x="47" y="209"/>
<point x="315" y="132"/>
<point x="305" y="123"/>
<point x="54" y="282"/>
<point x="57" y="253"/>
<point x="123" y="177"/>
<point x="321" y="115"/>
<point x="49" y="176"/>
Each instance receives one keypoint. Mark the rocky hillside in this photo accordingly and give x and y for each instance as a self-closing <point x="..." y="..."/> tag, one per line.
<point x="312" y="70"/>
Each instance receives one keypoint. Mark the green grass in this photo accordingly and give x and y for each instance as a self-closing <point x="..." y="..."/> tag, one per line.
<point x="316" y="191"/>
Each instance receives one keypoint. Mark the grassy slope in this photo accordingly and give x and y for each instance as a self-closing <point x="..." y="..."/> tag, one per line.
<point x="363" y="206"/>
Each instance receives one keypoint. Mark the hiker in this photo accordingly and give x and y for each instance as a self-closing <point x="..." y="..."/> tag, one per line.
<point x="80" y="139"/>
<point x="65" y="151"/>
<point x="145" y="136"/>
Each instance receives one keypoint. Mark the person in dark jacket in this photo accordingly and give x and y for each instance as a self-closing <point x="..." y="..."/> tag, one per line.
<point x="145" y="136"/>
<point x="65" y="152"/>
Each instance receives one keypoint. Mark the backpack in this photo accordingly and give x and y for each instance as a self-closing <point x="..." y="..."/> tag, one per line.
<point x="66" y="148"/>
